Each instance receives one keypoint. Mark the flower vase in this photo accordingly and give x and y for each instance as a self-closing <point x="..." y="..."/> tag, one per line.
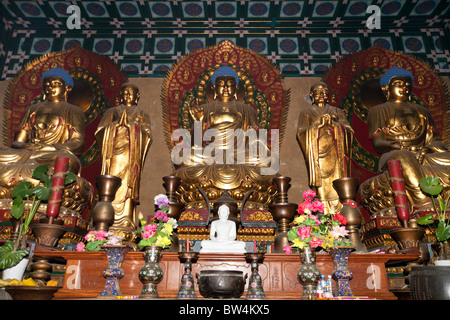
<point x="308" y="274"/>
<point x="255" y="285"/>
<point x="114" y="272"/>
<point x="341" y="274"/>
<point x="151" y="272"/>
<point x="187" y="290"/>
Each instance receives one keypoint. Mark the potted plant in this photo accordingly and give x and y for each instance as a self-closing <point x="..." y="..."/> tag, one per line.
<point x="12" y="252"/>
<point x="432" y="187"/>
<point x="432" y="282"/>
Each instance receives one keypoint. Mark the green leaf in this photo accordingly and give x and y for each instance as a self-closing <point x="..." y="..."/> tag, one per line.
<point x="310" y="222"/>
<point x="17" y="208"/>
<point x="425" y="220"/>
<point x="70" y="177"/>
<point x="22" y="190"/>
<point x="40" y="173"/>
<point x="43" y="193"/>
<point x="431" y="185"/>
<point x="147" y="242"/>
<point x="292" y="233"/>
<point x="8" y="257"/>
<point x="94" y="246"/>
<point x="442" y="205"/>
<point x="442" y="232"/>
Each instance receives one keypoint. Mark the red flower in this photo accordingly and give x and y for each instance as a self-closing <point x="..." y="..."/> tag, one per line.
<point x="301" y="207"/>
<point x="339" y="217"/>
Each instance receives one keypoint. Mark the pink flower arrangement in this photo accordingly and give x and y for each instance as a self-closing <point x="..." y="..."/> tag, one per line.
<point x="150" y="231"/>
<point x="304" y="232"/>
<point x="315" y="228"/>
<point x="160" y="215"/>
<point x="95" y="239"/>
<point x="159" y="231"/>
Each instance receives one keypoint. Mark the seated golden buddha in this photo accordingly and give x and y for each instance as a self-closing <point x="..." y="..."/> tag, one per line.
<point x="402" y="130"/>
<point x="48" y="129"/>
<point x="228" y="149"/>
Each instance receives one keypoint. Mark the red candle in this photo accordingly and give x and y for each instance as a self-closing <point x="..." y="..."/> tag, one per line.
<point x="254" y="245"/>
<point x="398" y="188"/>
<point x="59" y="176"/>
<point x="187" y="245"/>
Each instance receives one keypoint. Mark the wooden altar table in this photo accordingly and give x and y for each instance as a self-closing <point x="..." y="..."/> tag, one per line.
<point x="84" y="273"/>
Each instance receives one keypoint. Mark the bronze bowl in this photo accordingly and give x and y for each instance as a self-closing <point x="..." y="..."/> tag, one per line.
<point x="32" y="292"/>
<point x="221" y="284"/>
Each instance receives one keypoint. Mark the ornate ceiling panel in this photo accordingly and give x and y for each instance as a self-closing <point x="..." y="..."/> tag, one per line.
<point x="146" y="37"/>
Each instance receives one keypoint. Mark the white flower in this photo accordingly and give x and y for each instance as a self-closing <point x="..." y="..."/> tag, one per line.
<point x="173" y="222"/>
<point x="160" y="196"/>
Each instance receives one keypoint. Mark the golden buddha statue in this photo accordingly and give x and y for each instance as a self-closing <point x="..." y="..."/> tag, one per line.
<point x="124" y="137"/>
<point x="221" y="157"/>
<point x="326" y="139"/>
<point x="224" y="119"/>
<point x="405" y="131"/>
<point x="48" y="129"/>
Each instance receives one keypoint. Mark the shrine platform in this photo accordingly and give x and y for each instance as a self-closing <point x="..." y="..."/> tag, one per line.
<point x="83" y="278"/>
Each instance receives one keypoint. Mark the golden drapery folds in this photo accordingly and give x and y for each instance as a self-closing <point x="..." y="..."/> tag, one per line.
<point x="326" y="139"/>
<point x="124" y="138"/>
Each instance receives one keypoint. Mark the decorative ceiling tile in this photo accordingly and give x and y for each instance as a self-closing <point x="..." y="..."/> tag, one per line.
<point x="291" y="9"/>
<point x="128" y="9"/>
<point x="147" y="37"/>
<point x="95" y="9"/>
<point x="226" y="9"/>
<point x="160" y="9"/>
<point x="324" y="9"/>
<point x="193" y="9"/>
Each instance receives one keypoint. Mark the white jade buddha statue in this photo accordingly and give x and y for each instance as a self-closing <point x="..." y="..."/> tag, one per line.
<point x="223" y="235"/>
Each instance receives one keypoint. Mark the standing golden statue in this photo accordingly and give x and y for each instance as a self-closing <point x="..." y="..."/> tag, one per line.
<point x="124" y="137"/>
<point x="48" y="129"/>
<point x="326" y="139"/>
<point x="405" y="131"/>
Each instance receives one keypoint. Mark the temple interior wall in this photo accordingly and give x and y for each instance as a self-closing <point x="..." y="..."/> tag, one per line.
<point x="158" y="162"/>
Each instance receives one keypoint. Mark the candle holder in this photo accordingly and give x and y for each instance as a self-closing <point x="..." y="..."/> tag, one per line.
<point x="103" y="213"/>
<point x="187" y="290"/>
<point x="346" y="189"/>
<point x="282" y="212"/>
<point x="171" y="184"/>
<point x="255" y="287"/>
